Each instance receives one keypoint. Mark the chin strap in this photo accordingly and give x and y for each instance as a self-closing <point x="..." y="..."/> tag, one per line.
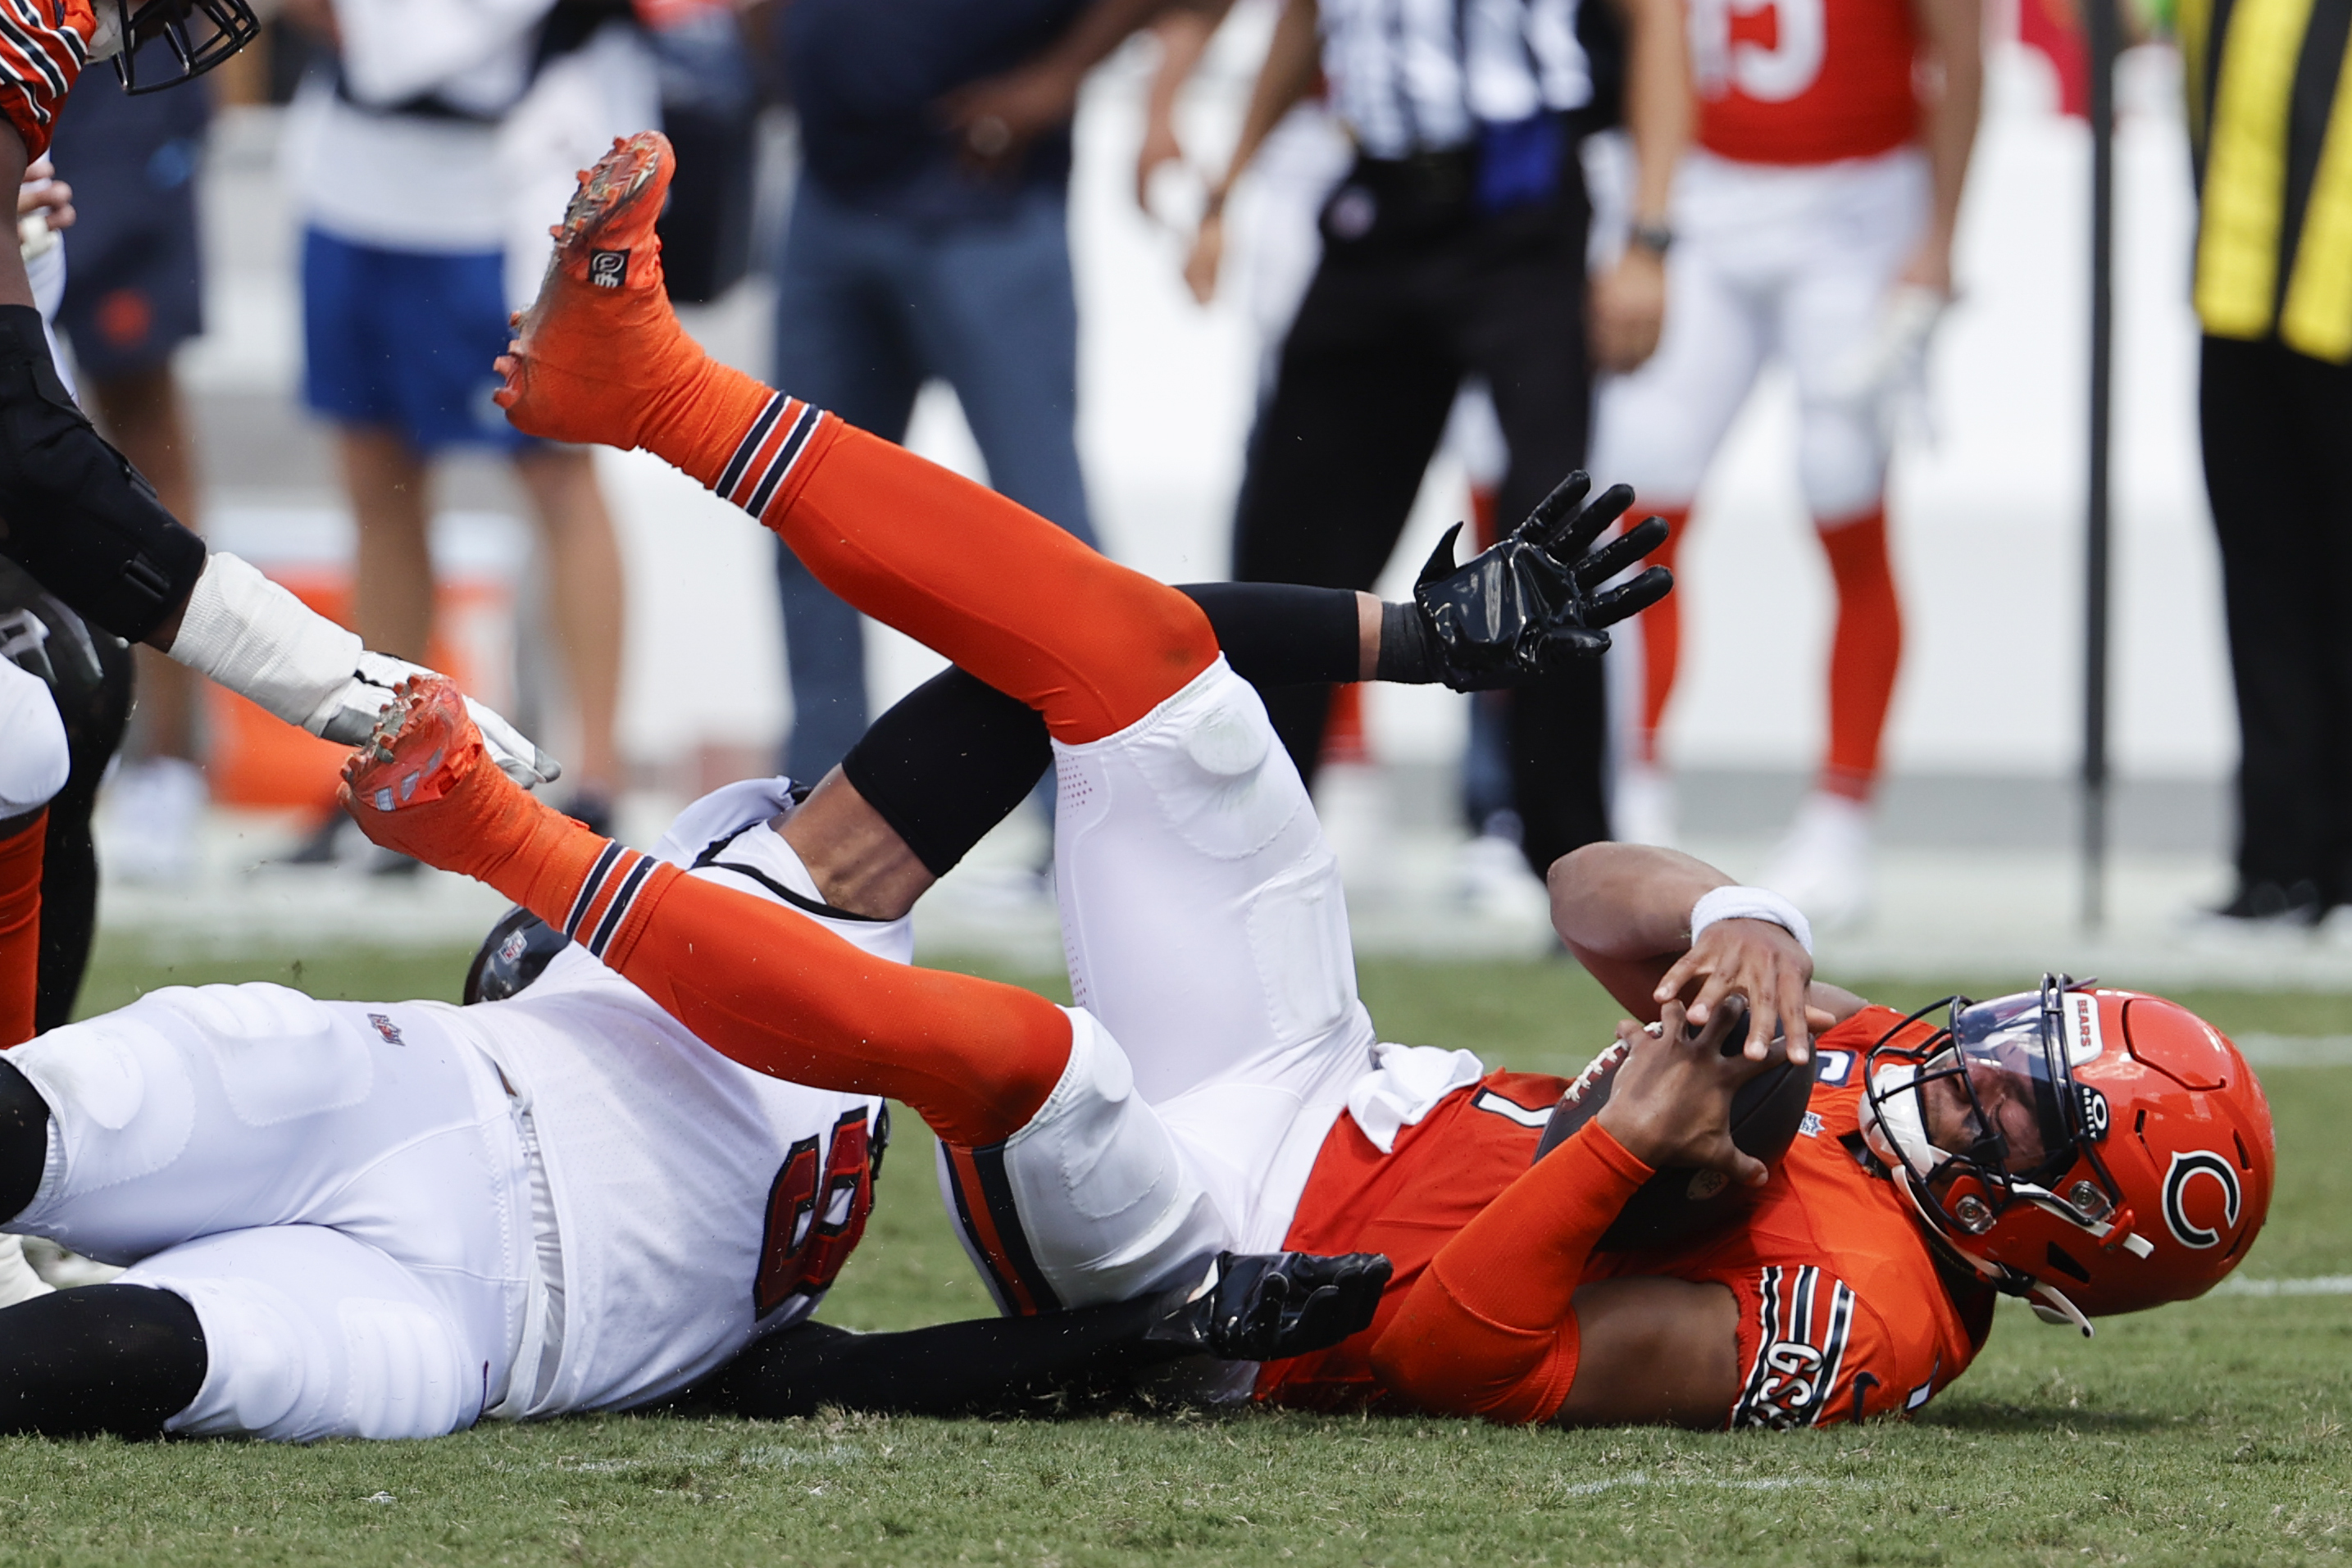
<point x="2051" y="1305"/>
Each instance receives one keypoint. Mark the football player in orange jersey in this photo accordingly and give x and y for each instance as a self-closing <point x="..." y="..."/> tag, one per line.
<point x="1219" y="1086"/>
<point x="1811" y="224"/>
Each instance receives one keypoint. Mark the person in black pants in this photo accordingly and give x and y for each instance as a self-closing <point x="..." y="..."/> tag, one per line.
<point x="2277" y="429"/>
<point x="1388" y="329"/>
<point x="1454" y="247"/>
<point x="2275" y="402"/>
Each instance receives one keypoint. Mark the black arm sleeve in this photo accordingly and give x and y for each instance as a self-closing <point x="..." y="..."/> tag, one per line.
<point x="1280" y="634"/>
<point x="954" y="756"/>
<point x="989" y="1366"/>
<point x="73" y="511"/>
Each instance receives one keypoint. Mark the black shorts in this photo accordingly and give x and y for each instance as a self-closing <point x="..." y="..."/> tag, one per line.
<point x="134" y="274"/>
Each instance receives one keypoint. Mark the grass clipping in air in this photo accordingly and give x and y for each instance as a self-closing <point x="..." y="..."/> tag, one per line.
<point x="2209" y="1432"/>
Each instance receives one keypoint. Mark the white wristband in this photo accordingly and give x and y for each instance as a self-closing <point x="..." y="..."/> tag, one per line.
<point x="1751" y="904"/>
<point x="260" y="641"/>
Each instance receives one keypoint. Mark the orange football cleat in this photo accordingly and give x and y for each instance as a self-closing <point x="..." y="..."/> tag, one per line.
<point x="424" y="785"/>
<point x="600" y="346"/>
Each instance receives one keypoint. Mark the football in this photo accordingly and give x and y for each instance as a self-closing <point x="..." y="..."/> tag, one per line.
<point x="1678" y="1204"/>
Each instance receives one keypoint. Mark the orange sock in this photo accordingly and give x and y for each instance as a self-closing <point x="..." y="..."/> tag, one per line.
<point x="1865" y="653"/>
<point x="1662" y="638"/>
<point x="998" y="589"/>
<point x="20" y="928"/>
<point x="757" y="983"/>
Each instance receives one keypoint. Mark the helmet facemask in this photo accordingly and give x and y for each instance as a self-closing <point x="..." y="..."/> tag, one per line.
<point x="199" y="34"/>
<point x="1986" y="1115"/>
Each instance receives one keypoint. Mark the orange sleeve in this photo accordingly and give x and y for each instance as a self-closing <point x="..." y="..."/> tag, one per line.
<point x="41" y="53"/>
<point x="1490" y="1328"/>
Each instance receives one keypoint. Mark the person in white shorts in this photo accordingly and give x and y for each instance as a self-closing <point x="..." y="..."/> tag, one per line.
<point x="1811" y="224"/>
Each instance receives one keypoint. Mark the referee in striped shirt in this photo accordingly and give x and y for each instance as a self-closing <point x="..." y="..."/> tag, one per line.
<point x="1455" y="246"/>
<point x="2271" y="117"/>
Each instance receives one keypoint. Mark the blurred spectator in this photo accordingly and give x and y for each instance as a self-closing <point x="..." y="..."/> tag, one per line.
<point x="422" y="162"/>
<point x="1812" y="222"/>
<point x="1306" y="155"/>
<point x="134" y="294"/>
<point x="2273" y="137"/>
<point x="928" y="238"/>
<point x="1454" y="248"/>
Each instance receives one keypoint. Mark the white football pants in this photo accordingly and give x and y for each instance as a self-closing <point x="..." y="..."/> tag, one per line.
<point x="1768" y="260"/>
<point x="1217" y="1033"/>
<point x="338" y="1189"/>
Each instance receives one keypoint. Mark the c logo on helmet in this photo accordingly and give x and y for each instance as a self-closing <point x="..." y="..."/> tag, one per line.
<point x="2200" y="1162"/>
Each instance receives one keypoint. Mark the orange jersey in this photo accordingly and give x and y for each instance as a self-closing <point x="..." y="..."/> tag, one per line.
<point x="1843" y="1312"/>
<point x="43" y="46"/>
<point x="1804" y="82"/>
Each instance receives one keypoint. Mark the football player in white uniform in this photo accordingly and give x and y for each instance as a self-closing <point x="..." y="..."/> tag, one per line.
<point x="389" y="1221"/>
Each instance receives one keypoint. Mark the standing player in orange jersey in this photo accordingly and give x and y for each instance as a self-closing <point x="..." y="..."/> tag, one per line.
<point x="1812" y="224"/>
<point x="1219" y="1085"/>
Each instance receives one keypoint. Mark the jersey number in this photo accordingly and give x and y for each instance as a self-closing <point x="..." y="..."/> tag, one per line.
<point x="816" y="1212"/>
<point x="1768" y="51"/>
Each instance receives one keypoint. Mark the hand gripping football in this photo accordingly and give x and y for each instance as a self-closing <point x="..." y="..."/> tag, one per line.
<point x="1679" y="1203"/>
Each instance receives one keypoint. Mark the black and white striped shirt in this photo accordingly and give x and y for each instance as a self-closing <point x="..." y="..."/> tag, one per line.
<point x="1421" y="76"/>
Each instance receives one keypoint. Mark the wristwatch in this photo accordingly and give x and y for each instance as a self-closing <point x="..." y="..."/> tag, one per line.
<point x="1657" y="236"/>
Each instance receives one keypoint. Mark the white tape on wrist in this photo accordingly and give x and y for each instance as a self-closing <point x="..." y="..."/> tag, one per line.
<point x="260" y="641"/>
<point x="1751" y="904"/>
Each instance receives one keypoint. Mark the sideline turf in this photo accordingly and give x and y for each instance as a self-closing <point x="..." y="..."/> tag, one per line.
<point x="2213" y="1432"/>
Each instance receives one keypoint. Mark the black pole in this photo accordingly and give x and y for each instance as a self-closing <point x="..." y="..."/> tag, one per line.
<point x="2100" y="20"/>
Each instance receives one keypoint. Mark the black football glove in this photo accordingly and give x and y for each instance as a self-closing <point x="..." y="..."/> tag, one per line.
<point x="1527" y="608"/>
<point x="1266" y="1306"/>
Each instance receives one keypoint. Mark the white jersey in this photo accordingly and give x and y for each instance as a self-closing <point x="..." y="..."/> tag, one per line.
<point x="696" y="1204"/>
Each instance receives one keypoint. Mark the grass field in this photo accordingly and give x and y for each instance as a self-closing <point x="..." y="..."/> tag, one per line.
<point x="2213" y="1432"/>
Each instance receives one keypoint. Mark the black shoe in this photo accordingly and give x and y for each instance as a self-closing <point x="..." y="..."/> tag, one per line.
<point x="2295" y="905"/>
<point x="323" y="847"/>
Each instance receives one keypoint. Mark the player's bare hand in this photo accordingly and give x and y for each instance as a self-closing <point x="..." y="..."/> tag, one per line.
<point x="45" y="194"/>
<point x="994" y="121"/>
<point x="1672" y="1102"/>
<point x="1160" y="147"/>
<point x="1757" y="961"/>
<point x="1627" y="310"/>
<point x="1207" y="255"/>
<point x="1930" y="266"/>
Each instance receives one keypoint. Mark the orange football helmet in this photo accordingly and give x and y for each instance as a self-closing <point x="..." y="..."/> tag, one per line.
<point x="2094" y="1151"/>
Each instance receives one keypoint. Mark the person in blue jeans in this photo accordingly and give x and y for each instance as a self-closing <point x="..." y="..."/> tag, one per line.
<point x="929" y="239"/>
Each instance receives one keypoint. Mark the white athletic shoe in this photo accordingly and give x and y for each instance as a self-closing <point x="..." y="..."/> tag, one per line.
<point x="154" y="814"/>
<point x="17" y="1280"/>
<point x="1822" y="866"/>
<point x="1492" y="879"/>
<point x="1643" y="810"/>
